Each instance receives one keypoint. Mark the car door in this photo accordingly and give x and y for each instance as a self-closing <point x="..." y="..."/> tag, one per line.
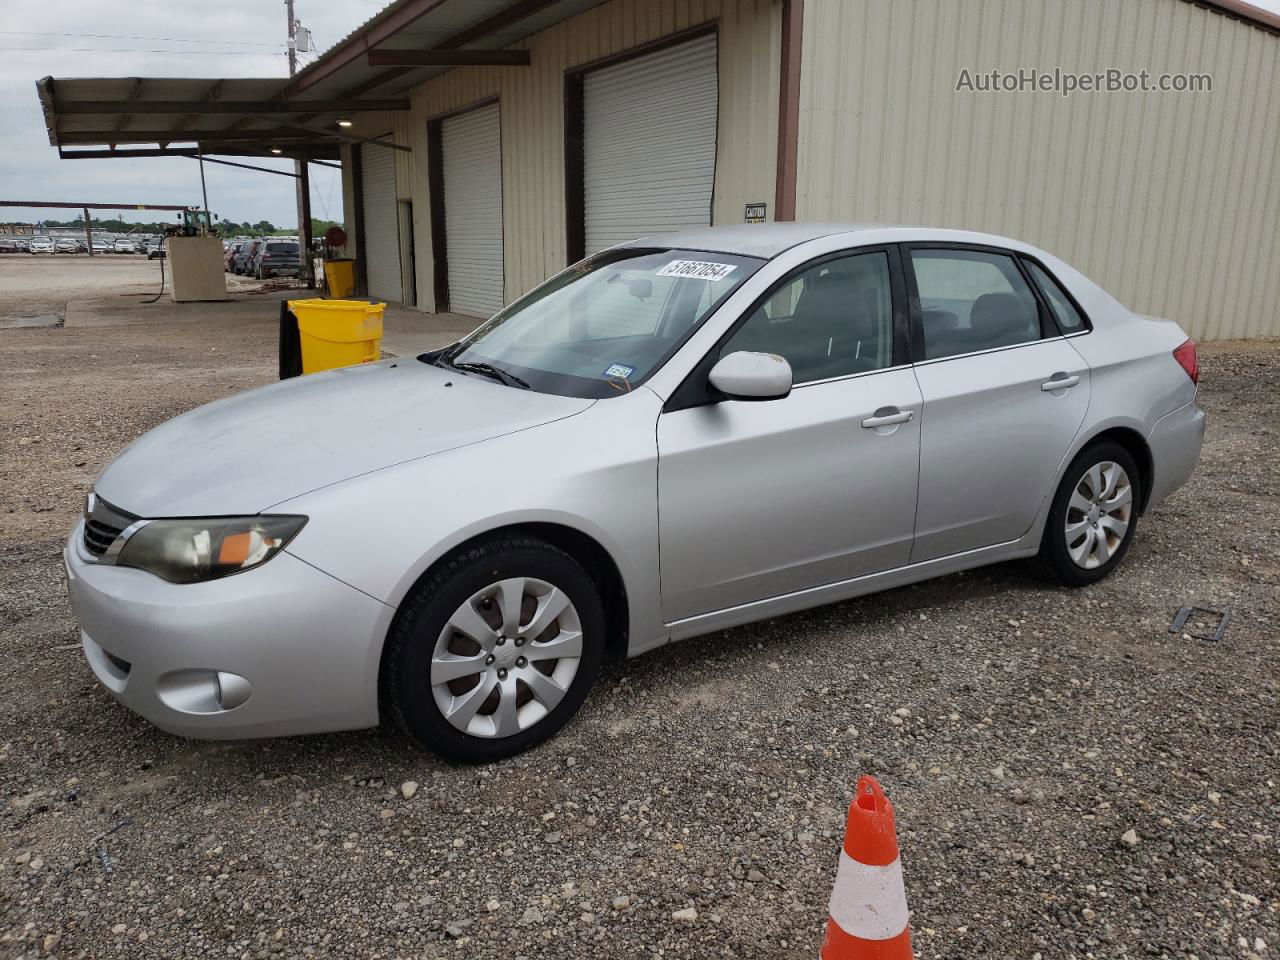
<point x="760" y="499"/>
<point x="1004" y="395"/>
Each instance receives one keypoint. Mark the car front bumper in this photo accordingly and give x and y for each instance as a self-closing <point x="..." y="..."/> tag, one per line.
<point x="1175" y="444"/>
<point x="278" y="650"/>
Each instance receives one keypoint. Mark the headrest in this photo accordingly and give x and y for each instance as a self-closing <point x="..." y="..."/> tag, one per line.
<point x="832" y="305"/>
<point x="997" y="314"/>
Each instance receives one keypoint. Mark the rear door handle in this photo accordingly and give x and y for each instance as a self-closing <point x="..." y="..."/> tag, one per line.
<point x="1059" y="381"/>
<point x="887" y="417"/>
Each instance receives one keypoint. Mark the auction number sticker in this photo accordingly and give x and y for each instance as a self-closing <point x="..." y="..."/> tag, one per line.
<point x="697" y="269"/>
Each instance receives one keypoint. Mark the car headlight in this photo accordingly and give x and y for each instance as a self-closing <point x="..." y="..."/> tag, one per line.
<point x="206" y="548"/>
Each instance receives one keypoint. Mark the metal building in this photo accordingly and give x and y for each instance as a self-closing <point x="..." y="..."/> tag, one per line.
<point x="510" y="138"/>
<point x="627" y="117"/>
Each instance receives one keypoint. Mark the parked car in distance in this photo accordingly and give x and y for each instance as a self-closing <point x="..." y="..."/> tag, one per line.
<point x="8" y="246"/>
<point x="40" y="245"/>
<point x="67" y="245"/>
<point x="124" y="246"/>
<point x="101" y="246"/>
<point x="710" y="428"/>
<point x="155" y="249"/>
<point x="244" y="257"/>
<point x="276" y="258"/>
<point x="229" y="256"/>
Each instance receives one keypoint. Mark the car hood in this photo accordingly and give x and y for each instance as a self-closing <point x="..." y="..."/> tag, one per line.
<point x="242" y="454"/>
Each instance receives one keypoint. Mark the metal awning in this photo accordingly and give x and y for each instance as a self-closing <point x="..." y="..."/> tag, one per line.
<point x="232" y="116"/>
<point x="368" y="71"/>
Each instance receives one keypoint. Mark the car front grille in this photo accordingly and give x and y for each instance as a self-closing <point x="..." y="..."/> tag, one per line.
<point x="102" y="524"/>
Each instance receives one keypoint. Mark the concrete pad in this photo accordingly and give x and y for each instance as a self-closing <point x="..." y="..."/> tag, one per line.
<point x="130" y="309"/>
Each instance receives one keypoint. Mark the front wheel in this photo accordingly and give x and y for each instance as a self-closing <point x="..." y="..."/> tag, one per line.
<point x="1093" y="516"/>
<point x="495" y="650"/>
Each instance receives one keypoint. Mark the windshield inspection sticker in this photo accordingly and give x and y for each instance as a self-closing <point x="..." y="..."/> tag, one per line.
<point x="697" y="269"/>
<point x="619" y="371"/>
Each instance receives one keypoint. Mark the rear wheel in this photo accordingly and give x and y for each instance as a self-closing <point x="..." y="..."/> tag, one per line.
<point x="1093" y="516"/>
<point x="495" y="650"/>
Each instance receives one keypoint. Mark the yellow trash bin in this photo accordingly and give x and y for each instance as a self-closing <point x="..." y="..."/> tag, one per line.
<point x="338" y="333"/>
<point x="340" y="277"/>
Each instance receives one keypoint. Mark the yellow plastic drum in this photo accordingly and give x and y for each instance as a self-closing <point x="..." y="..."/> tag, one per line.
<point x="338" y="333"/>
<point x="340" y="277"/>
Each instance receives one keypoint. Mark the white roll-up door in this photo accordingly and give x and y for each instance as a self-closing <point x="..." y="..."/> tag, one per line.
<point x="649" y="144"/>
<point x="471" y="147"/>
<point x="381" y="240"/>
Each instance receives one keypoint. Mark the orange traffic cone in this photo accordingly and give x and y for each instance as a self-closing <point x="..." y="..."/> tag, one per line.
<point x="868" y="913"/>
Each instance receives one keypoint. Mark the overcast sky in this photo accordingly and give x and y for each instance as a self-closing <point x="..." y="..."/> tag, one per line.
<point x="160" y="38"/>
<point x="34" y="44"/>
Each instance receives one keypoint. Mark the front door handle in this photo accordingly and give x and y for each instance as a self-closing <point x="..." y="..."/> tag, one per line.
<point x="887" y="417"/>
<point x="1059" y="381"/>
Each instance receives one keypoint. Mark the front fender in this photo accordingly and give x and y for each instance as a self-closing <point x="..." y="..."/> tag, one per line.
<point x="595" y="473"/>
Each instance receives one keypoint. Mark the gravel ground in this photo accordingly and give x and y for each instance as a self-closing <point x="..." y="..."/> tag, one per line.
<point x="1071" y="779"/>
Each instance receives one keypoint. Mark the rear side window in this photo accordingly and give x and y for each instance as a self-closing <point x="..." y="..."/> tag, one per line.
<point x="972" y="300"/>
<point x="1060" y="305"/>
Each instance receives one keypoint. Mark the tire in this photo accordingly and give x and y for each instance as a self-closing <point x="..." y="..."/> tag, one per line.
<point x="460" y="587"/>
<point x="1088" y="556"/>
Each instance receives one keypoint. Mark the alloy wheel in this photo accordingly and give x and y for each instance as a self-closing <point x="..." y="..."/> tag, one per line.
<point x="1098" y="514"/>
<point x="506" y="657"/>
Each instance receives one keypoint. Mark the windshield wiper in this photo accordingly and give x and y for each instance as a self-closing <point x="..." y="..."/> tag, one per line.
<point x="490" y="371"/>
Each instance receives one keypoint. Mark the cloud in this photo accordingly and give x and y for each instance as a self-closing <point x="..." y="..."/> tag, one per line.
<point x="32" y="45"/>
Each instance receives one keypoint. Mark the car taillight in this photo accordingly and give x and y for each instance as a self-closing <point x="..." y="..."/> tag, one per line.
<point x="1188" y="361"/>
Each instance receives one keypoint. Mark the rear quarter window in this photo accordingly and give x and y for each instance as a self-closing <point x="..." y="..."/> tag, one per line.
<point x="1069" y="319"/>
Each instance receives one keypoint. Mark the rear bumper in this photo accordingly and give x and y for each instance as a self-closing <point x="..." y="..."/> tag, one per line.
<point x="1175" y="444"/>
<point x="283" y="649"/>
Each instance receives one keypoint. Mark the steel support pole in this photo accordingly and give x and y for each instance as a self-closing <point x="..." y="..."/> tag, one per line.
<point x="305" y="262"/>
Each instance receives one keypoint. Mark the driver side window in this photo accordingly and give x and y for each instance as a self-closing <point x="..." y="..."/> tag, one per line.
<point x="832" y="320"/>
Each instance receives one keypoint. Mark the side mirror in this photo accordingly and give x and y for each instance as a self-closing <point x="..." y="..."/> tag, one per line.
<point x="752" y="376"/>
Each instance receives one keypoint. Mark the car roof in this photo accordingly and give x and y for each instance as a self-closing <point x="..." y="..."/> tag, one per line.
<point x="768" y="240"/>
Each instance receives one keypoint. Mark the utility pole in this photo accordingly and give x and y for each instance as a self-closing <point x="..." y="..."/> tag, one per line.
<point x="293" y="35"/>
<point x="302" y="170"/>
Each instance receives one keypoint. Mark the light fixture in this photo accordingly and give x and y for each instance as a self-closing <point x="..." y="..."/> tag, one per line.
<point x="345" y="122"/>
<point x="276" y="150"/>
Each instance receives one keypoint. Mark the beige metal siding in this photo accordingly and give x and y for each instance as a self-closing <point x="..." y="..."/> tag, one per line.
<point x="532" y="101"/>
<point x="1171" y="201"/>
<point x="348" y="203"/>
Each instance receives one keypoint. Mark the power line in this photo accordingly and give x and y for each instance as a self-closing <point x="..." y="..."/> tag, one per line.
<point x="114" y="36"/>
<point x="209" y="53"/>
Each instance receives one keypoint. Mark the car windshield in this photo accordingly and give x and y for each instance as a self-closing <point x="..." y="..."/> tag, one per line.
<point x="282" y="248"/>
<point x="602" y="326"/>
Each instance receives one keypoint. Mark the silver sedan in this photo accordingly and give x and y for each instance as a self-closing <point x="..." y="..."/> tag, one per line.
<point x="672" y="437"/>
